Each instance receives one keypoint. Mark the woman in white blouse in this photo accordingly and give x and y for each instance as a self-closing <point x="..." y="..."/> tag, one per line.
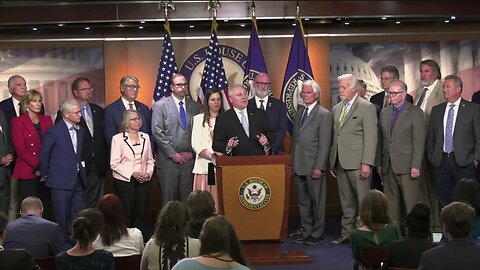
<point x="202" y="134"/>
<point x="132" y="163"/>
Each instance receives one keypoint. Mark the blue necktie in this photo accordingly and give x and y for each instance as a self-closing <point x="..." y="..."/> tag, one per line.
<point x="245" y="123"/>
<point x="449" y="130"/>
<point x="304" y="116"/>
<point x="183" y="115"/>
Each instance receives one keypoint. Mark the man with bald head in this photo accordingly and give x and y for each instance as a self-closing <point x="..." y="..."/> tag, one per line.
<point x="276" y="110"/>
<point x="242" y="131"/>
<point x="401" y="150"/>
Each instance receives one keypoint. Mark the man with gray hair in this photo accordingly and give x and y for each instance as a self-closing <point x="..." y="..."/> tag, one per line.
<point x="61" y="164"/>
<point x="312" y="135"/>
<point x="353" y="151"/>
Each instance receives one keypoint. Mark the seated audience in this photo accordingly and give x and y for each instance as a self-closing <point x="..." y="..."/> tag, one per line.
<point x="406" y="253"/>
<point x="40" y="237"/>
<point x="17" y="259"/>
<point x="459" y="253"/>
<point x="201" y="206"/>
<point x="219" y="249"/>
<point x="170" y="242"/>
<point x="83" y="256"/>
<point x="468" y="191"/>
<point x="376" y="229"/>
<point x="115" y="236"/>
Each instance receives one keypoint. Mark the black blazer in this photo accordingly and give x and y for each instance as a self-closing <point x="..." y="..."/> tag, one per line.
<point x="17" y="259"/>
<point x="7" y="107"/>
<point x="228" y="125"/>
<point x="94" y="148"/>
<point x="406" y="253"/>
<point x="476" y="97"/>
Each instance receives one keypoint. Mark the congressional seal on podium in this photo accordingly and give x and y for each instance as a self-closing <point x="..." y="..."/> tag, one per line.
<point x="254" y="193"/>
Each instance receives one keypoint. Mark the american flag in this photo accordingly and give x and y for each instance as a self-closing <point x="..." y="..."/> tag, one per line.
<point x="213" y="73"/>
<point x="166" y="68"/>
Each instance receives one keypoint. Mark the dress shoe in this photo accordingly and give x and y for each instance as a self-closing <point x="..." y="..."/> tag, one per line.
<point x="313" y="241"/>
<point x="340" y="241"/>
<point x="299" y="240"/>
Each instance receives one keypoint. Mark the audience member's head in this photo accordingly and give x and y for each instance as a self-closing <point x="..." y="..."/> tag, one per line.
<point x="468" y="191"/>
<point x="114" y="215"/>
<point x="374" y="210"/>
<point x="87" y="226"/>
<point x="417" y="221"/>
<point x="218" y="238"/>
<point x="200" y="206"/>
<point x="171" y="225"/>
<point x="3" y="226"/>
<point x="31" y="206"/>
<point x="457" y="219"/>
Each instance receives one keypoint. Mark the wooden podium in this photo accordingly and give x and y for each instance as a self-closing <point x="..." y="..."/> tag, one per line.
<point x="253" y="193"/>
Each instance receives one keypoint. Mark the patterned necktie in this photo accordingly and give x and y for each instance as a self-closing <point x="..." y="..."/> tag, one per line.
<point x="183" y="115"/>
<point x="130" y="106"/>
<point x="449" y="130"/>
<point x="245" y="123"/>
<point x="422" y="97"/>
<point x="261" y="105"/>
<point x="343" y="114"/>
<point x="385" y="101"/>
<point x="304" y="116"/>
<point x="88" y="120"/>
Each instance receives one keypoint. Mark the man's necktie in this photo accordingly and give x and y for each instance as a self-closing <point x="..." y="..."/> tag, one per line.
<point x="88" y="120"/>
<point x="304" y="116"/>
<point x="385" y="101"/>
<point x="422" y="97"/>
<point x="449" y="130"/>
<point x="261" y="105"/>
<point x="343" y="114"/>
<point x="396" y="114"/>
<point x="73" y="136"/>
<point x="183" y="115"/>
<point x="245" y="123"/>
<point x="130" y="106"/>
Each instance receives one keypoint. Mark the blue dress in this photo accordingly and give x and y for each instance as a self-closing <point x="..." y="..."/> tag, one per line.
<point x="98" y="260"/>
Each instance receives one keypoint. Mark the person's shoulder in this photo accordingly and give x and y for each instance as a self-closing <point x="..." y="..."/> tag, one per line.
<point x="134" y="231"/>
<point x="95" y="106"/>
<point x="103" y="253"/>
<point x="113" y="104"/>
<point x="5" y="102"/>
<point x="186" y="263"/>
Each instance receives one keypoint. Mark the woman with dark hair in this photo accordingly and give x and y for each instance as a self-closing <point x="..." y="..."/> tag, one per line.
<point x="219" y="249"/>
<point x="406" y="253"/>
<point x="200" y="206"/>
<point x="169" y="243"/>
<point x="376" y="229"/>
<point x="468" y="191"/>
<point x="83" y="256"/>
<point x="115" y="236"/>
<point x="202" y="137"/>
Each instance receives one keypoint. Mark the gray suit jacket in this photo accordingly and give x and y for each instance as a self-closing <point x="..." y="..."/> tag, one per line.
<point x="167" y="129"/>
<point x="435" y="98"/>
<point x="404" y="148"/>
<point x="311" y="142"/>
<point x="466" y="134"/>
<point x="356" y="141"/>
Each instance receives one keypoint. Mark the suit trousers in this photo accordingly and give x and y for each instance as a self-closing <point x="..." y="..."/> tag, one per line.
<point x="401" y="191"/>
<point x="33" y="187"/>
<point x="311" y="195"/>
<point x="427" y="194"/>
<point x="447" y="176"/>
<point x="134" y="197"/>
<point x="95" y="187"/>
<point x="351" y="188"/>
<point x="4" y="190"/>
<point x="13" y="205"/>
<point x="176" y="181"/>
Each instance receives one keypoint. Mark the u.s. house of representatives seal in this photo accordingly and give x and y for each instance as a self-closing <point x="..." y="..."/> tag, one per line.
<point x="254" y="193"/>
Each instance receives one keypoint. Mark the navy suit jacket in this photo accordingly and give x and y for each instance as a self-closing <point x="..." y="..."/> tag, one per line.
<point x="476" y="97"/>
<point x="277" y="116"/>
<point x="113" y="118"/>
<point x="58" y="159"/>
<point x="40" y="237"/>
<point x="228" y="125"/>
<point x="7" y="107"/>
<point x="459" y="253"/>
<point x="94" y="147"/>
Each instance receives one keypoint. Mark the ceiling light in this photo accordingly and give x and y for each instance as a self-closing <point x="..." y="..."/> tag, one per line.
<point x="242" y="25"/>
<point x="384" y="18"/>
<point x="226" y="20"/>
<point x="140" y="27"/>
<point x="307" y="19"/>
<point x="453" y="17"/>
<point x="142" y="21"/>
<point x="346" y="23"/>
<point x="447" y="21"/>
<point x="87" y="27"/>
<point x="397" y="22"/>
<point x="60" y="24"/>
<point x="34" y="28"/>
<point x="191" y="26"/>
<point x="294" y="24"/>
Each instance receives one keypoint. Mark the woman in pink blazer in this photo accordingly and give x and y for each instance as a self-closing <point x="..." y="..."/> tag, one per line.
<point x="132" y="164"/>
<point x="27" y="132"/>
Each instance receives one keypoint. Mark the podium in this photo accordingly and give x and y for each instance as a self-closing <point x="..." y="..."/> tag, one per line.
<point x="253" y="193"/>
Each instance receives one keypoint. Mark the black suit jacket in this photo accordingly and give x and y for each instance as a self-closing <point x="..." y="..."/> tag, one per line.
<point x="17" y="259"/>
<point x="459" y="253"/>
<point x="94" y="148"/>
<point x="228" y="125"/>
<point x="377" y="100"/>
<point x="277" y="116"/>
<point x="406" y="253"/>
<point x="476" y="97"/>
<point x="7" y="107"/>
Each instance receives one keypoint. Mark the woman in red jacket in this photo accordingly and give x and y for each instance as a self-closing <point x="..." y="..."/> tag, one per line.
<point x="27" y="133"/>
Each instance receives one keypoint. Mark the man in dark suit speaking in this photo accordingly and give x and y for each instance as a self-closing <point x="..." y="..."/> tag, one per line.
<point x="241" y="131"/>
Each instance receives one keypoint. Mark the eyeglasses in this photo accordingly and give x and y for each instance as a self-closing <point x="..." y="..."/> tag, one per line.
<point x="393" y="94"/>
<point x="85" y="89"/>
<point x="263" y="83"/>
<point x="180" y="85"/>
<point x="133" y="87"/>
